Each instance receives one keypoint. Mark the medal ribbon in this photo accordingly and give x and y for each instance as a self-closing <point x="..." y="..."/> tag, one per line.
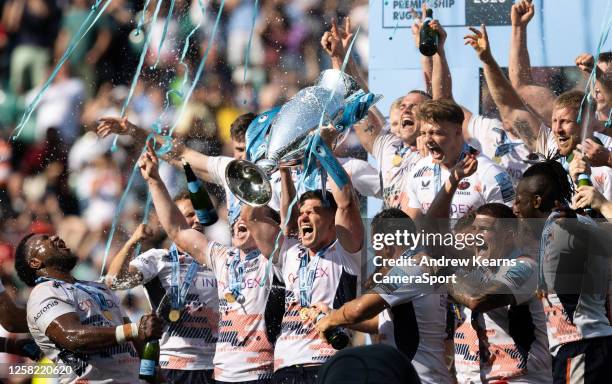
<point x="236" y="270"/>
<point x="174" y="277"/>
<point x="307" y="274"/>
<point x="178" y="295"/>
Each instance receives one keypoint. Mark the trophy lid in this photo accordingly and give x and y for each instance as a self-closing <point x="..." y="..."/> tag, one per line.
<point x="332" y="79"/>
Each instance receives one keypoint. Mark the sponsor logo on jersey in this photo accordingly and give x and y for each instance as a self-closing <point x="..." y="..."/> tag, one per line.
<point x="45" y="309"/>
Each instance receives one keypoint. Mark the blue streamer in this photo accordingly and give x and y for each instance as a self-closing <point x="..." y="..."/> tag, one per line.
<point x="120" y="206"/>
<point x="603" y="37"/>
<point x="200" y="67"/>
<point x="143" y="54"/>
<point x="74" y="42"/>
<point x="164" y="31"/>
<point x="248" y="47"/>
<point x="145" y="220"/>
<point x="142" y="17"/>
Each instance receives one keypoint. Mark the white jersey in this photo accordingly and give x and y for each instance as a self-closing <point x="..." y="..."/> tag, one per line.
<point x="415" y="324"/>
<point x="490" y="138"/>
<point x="189" y="343"/>
<point x="394" y="165"/>
<point x="52" y="299"/>
<point x="335" y="283"/>
<point x="578" y="248"/>
<point x="489" y="184"/>
<point x="363" y="176"/>
<point x="508" y="343"/>
<point x="601" y="177"/>
<point x="243" y="351"/>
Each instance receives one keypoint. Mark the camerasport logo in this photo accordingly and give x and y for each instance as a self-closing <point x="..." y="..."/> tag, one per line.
<point x="464" y="185"/>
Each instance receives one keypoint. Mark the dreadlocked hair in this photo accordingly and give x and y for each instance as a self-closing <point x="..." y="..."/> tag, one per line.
<point x="551" y="181"/>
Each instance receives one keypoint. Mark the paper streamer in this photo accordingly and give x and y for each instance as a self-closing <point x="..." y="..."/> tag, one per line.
<point x="74" y="42"/>
<point x="143" y="54"/>
<point x="164" y="31"/>
<point x="248" y="47"/>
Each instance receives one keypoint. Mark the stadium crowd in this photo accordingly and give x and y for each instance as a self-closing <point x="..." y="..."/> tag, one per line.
<point x="264" y="294"/>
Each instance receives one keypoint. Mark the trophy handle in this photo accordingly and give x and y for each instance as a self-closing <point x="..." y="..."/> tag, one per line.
<point x="248" y="183"/>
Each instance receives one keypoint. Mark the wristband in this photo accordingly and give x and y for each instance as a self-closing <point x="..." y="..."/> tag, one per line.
<point x="126" y="332"/>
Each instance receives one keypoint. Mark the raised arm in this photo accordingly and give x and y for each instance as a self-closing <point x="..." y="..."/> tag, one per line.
<point x="121" y="126"/>
<point x="288" y="224"/>
<point x="264" y="230"/>
<point x="334" y="43"/>
<point x="603" y="80"/>
<point x="121" y="275"/>
<point x="514" y="113"/>
<point x="172" y="220"/>
<point x="349" y="227"/>
<point x="539" y="99"/>
<point x="426" y="61"/>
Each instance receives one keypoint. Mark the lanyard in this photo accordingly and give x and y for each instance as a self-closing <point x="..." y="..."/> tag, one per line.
<point x="236" y="270"/>
<point x="437" y="169"/>
<point x="307" y="274"/>
<point x="178" y="295"/>
<point x="93" y="292"/>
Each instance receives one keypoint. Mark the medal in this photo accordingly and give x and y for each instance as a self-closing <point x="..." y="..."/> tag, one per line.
<point x="497" y="159"/>
<point x="397" y="160"/>
<point x="229" y="297"/>
<point x="107" y="314"/>
<point x="304" y="314"/>
<point x="174" y="315"/>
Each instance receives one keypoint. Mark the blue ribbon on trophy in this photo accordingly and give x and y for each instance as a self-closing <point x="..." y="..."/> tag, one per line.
<point x="293" y="138"/>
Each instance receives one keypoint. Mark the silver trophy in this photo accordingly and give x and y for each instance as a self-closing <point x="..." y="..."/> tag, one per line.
<point x="289" y="132"/>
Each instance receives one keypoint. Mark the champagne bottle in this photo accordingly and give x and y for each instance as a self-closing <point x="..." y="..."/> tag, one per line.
<point x="336" y="337"/>
<point x="149" y="361"/>
<point x="428" y="38"/>
<point x="204" y="209"/>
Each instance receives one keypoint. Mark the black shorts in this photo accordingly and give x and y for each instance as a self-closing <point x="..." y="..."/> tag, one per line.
<point x="176" y="376"/>
<point x="260" y="381"/>
<point x="584" y="362"/>
<point x="296" y="374"/>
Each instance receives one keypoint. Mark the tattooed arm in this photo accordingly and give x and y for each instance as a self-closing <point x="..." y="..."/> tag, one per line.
<point x="538" y="98"/>
<point x="517" y="118"/>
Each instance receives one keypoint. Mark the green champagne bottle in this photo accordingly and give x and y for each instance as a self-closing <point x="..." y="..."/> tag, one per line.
<point x="336" y="337"/>
<point x="149" y="361"/>
<point x="204" y="209"/>
<point x="428" y="38"/>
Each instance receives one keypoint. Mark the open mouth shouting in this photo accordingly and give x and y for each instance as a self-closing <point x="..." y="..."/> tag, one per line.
<point x="240" y="231"/>
<point x="565" y="144"/>
<point x="306" y="233"/>
<point x="435" y="151"/>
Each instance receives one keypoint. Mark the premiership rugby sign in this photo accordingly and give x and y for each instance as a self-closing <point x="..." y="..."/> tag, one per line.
<point x="457" y="13"/>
